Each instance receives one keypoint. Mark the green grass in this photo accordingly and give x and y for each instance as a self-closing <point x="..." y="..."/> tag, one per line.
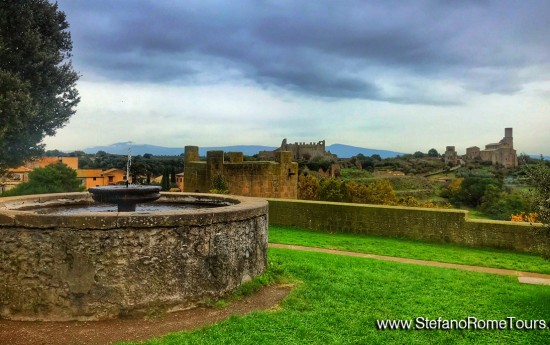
<point x="411" y="249"/>
<point x="475" y="214"/>
<point x="340" y="299"/>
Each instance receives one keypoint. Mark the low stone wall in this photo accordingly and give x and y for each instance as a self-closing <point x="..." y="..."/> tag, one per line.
<point x="100" y="266"/>
<point x="435" y="225"/>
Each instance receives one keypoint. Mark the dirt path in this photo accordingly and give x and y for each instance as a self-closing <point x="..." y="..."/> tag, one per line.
<point x="110" y="331"/>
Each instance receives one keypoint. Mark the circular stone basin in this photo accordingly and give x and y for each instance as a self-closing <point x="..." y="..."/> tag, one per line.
<point x="102" y="265"/>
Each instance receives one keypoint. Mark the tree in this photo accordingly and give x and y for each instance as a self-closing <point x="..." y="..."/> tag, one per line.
<point x="172" y="176"/>
<point x="433" y="153"/>
<point x="472" y="190"/>
<point x="54" y="178"/>
<point x="37" y="80"/>
<point x="165" y="182"/>
<point x="539" y="177"/>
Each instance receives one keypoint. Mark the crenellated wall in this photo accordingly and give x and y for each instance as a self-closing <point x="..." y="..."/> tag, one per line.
<point x="300" y="151"/>
<point x="258" y="179"/>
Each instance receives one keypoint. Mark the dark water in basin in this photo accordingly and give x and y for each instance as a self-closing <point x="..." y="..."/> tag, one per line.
<point x="74" y="209"/>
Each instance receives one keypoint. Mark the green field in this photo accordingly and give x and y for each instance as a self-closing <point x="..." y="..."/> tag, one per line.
<point x="404" y="248"/>
<point x="338" y="299"/>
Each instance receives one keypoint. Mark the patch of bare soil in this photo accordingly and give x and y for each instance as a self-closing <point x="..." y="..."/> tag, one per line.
<point x="111" y="331"/>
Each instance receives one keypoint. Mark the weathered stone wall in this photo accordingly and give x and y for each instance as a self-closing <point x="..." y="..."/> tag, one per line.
<point x="473" y="152"/>
<point x="506" y="157"/>
<point x="112" y="265"/>
<point x="435" y="225"/>
<point x="257" y="179"/>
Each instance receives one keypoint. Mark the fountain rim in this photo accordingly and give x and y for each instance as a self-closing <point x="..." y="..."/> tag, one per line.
<point x="13" y="212"/>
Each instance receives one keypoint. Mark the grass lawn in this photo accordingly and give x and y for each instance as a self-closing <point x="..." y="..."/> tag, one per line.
<point x="450" y="253"/>
<point x="338" y="299"/>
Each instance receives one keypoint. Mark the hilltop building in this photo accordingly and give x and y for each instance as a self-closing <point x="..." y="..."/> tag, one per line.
<point x="277" y="179"/>
<point x="300" y="151"/>
<point x="501" y="153"/>
<point x="451" y="156"/>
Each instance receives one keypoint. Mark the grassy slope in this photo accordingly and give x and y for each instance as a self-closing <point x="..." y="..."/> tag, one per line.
<point x="411" y="249"/>
<point x="340" y="299"/>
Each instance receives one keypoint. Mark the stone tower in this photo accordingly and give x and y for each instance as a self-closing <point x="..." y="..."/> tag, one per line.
<point x="450" y="155"/>
<point x="508" y="138"/>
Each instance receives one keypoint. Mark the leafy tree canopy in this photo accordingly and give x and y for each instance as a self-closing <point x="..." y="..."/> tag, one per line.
<point x="54" y="178"/>
<point x="37" y="80"/>
<point x="433" y="153"/>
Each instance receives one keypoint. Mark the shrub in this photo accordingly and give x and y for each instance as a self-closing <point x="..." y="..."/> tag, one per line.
<point x="308" y="185"/>
<point x="219" y="185"/>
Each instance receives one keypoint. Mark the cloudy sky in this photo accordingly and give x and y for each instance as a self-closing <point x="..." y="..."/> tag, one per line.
<point x="397" y="75"/>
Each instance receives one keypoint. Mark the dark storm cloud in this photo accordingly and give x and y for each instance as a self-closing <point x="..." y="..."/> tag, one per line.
<point x="332" y="49"/>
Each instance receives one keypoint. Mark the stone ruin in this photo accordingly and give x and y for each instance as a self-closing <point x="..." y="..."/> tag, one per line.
<point x="300" y="151"/>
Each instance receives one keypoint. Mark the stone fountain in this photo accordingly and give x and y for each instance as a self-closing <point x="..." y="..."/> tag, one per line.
<point x="87" y="265"/>
<point x="125" y="197"/>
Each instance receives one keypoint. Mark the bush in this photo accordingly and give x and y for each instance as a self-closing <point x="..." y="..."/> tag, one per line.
<point x="219" y="185"/>
<point x="308" y="186"/>
<point x="331" y="189"/>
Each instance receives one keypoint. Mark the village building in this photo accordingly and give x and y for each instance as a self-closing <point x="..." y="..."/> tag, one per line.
<point x="99" y="177"/>
<point x="88" y="177"/>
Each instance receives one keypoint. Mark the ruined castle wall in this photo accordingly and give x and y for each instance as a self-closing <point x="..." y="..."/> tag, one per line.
<point x="258" y="179"/>
<point x="299" y="150"/>
<point x="195" y="178"/>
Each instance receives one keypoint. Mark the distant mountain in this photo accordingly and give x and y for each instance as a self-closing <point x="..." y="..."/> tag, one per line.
<point x="122" y="149"/>
<point x="342" y="151"/>
<point x="247" y="150"/>
<point x="346" y="151"/>
<point x="546" y="158"/>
